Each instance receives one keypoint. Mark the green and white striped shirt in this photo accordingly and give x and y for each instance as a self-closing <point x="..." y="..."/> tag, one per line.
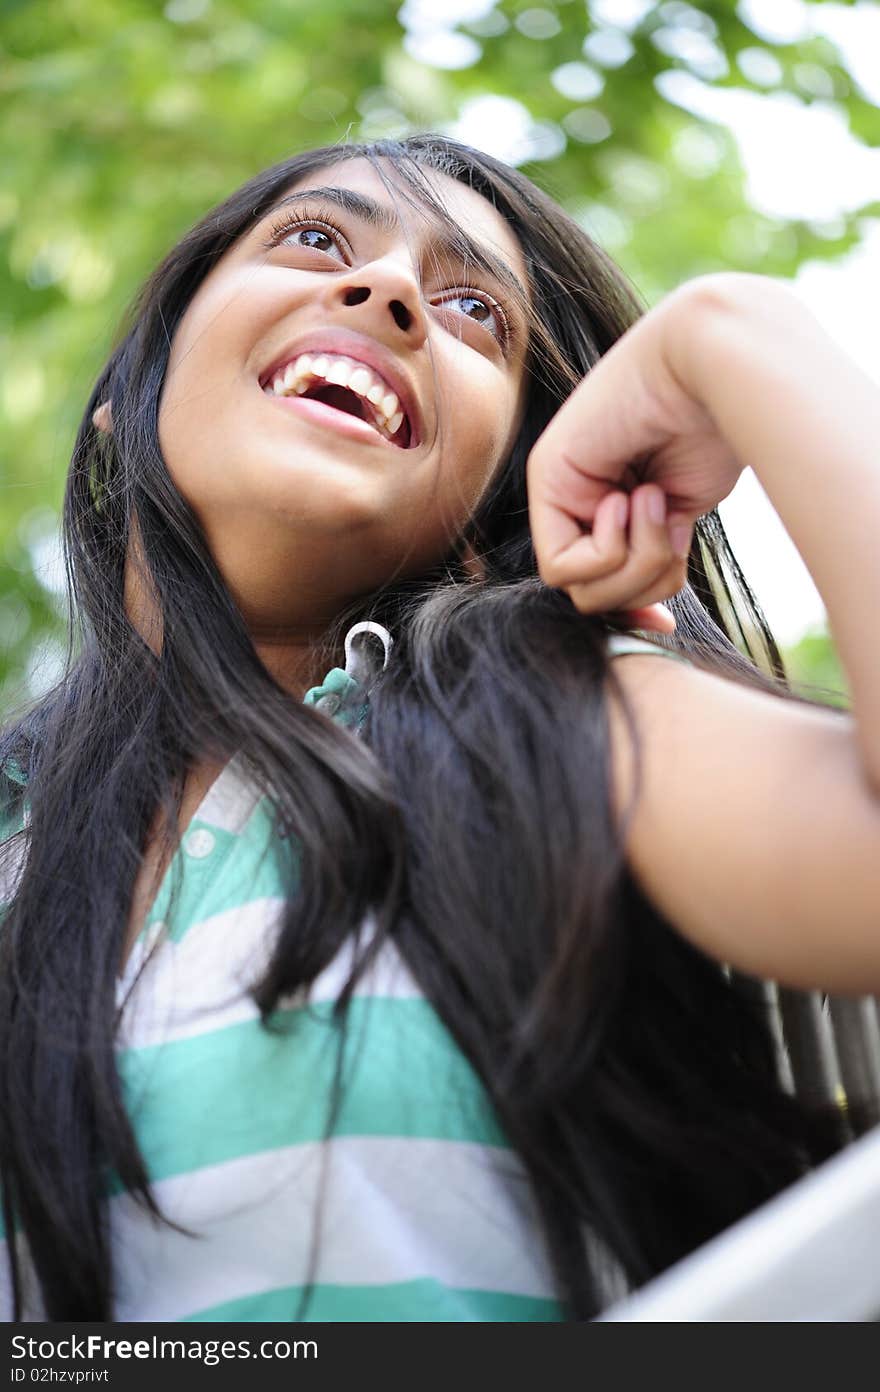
<point x="415" y="1209"/>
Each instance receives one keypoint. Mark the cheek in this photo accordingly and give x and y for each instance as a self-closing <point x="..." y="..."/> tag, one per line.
<point x="180" y="430"/>
<point x="181" y="411"/>
<point x="475" y="389"/>
<point x="478" y="422"/>
<point x="199" y="399"/>
<point x="211" y="346"/>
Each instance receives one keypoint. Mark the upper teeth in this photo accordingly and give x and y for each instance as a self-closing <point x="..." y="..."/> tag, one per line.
<point x="299" y="375"/>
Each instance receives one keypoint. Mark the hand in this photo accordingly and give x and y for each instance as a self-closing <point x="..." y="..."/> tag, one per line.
<point x="626" y="466"/>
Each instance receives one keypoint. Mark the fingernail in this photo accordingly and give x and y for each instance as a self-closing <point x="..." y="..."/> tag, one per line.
<point x="680" y="537"/>
<point x="657" y="506"/>
<point x="621" y="508"/>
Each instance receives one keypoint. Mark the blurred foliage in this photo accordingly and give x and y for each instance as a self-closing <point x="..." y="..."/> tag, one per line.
<point x="122" y="121"/>
<point x="814" y="670"/>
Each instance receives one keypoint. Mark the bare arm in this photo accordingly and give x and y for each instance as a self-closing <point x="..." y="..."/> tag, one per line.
<point x="756" y="829"/>
<point x="807" y="420"/>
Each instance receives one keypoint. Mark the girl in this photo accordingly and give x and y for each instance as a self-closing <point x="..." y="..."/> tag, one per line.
<point x="408" y="993"/>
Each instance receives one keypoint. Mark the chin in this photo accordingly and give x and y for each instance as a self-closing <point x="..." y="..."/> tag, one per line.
<point x="330" y="496"/>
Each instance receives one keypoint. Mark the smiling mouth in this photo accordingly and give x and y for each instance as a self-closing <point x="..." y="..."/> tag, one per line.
<point x="342" y="399"/>
<point x="346" y="385"/>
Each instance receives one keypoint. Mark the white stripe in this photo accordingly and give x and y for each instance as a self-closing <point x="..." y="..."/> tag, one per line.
<point x="202" y="982"/>
<point x="13" y="857"/>
<point x="32" y="1302"/>
<point x="394" y="1209"/>
<point x="230" y="800"/>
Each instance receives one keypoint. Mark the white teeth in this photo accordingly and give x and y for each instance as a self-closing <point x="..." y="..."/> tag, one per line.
<point x="299" y="376"/>
<point x="360" y="381"/>
<point x="338" y="374"/>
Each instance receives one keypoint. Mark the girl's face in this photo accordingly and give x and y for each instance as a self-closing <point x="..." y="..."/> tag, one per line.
<point x="401" y="380"/>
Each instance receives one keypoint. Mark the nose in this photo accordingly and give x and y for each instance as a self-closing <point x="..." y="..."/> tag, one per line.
<point x="388" y="299"/>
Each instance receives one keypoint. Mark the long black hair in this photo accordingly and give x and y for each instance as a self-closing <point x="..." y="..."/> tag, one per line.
<point x="633" y="1078"/>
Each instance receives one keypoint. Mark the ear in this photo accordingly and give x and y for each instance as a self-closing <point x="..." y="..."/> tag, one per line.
<point x="102" y="418"/>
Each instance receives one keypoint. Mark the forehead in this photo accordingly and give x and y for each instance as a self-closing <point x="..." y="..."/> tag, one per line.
<point x="467" y="208"/>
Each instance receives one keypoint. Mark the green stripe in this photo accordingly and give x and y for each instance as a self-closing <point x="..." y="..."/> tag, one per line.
<point x="405" y="1301"/>
<point x="245" y="1089"/>
<point x="242" y="868"/>
<point x="11" y="825"/>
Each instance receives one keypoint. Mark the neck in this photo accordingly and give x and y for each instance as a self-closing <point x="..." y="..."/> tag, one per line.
<point x="292" y="662"/>
<point x="287" y="651"/>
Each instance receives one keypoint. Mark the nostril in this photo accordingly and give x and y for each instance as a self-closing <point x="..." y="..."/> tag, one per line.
<point x="401" y="314"/>
<point x="357" y="295"/>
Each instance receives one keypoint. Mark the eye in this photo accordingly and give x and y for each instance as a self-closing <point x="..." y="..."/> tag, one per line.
<point x="314" y="237"/>
<point x="309" y="234"/>
<point x="479" y="308"/>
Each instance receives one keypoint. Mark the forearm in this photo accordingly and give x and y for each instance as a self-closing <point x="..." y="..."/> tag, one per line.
<point x="796" y="409"/>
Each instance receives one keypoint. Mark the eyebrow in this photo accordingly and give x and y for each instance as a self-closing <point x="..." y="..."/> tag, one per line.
<point x="376" y="215"/>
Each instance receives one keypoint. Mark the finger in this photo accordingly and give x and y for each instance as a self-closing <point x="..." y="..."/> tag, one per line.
<point x="680" y="529"/>
<point x="598" y="553"/>
<point x="650" y="546"/>
<point x="619" y="598"/>
<point x="654" y="618"/>
<point x="609" y="535"/>
<point x="670" y="583"/>
<point x="650" y="572"/>
<point x="563" y="501"/>
<point x="681" y="534"/>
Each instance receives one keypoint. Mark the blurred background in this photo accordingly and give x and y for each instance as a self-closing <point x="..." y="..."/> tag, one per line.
<point x="685" y="138"/>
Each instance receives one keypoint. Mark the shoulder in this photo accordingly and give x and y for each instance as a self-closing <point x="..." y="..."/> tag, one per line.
<point x="748" y="823"/>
